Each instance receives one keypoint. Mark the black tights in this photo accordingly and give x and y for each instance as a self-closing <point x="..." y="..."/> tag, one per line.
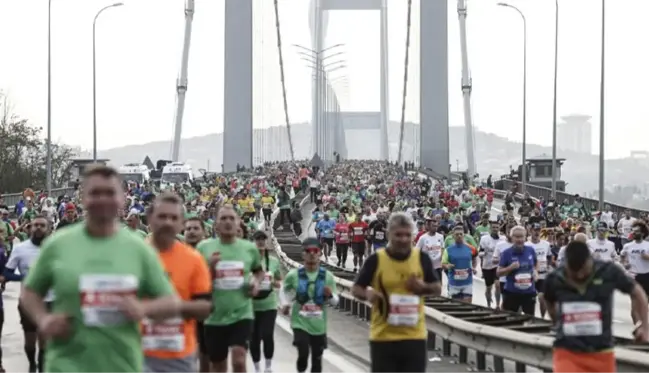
<point x="263" y="329"/>
<point x="341" y="252"/>
<point x="309" y="344"/>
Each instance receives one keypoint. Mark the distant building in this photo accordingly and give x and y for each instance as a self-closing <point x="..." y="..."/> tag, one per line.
<point x="79" y="167"/>
<point x="574" y="134"/>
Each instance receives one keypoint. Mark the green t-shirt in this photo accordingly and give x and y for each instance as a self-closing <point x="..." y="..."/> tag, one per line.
<point x="82" y="271"/>
<point x="272" y="273"/>
<point x="481" y="230"/>
<point x="138" y="232"/>
<point x="450" y="240"/>
<point x="230" y="289"/>
<point x="308" y="317"/>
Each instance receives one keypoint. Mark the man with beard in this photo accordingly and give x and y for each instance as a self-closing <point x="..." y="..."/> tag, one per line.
<point x="22" y="257"/>
<point x="194" y="234"/>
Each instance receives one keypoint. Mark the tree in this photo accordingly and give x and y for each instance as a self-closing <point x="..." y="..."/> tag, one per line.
<point x="23" y="154"/>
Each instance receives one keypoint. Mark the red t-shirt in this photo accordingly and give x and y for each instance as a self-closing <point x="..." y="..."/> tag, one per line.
<point x="342" y="233"/>
<point x="357" y="230"/>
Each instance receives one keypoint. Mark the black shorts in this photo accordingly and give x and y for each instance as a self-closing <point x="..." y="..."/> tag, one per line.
<point x="399" y="356"/>
<point x="219" y="338"/>
<point x="643" y="280"/>
<point x="200" y="338"/>
<point x="489" y="276"/>
<point x="26" y="322"/>
<point x="539" y="285"/>
<point x="358" y="248"/>
<point x="328" y="241"/>
<point x="317" y="342"/>
<point x="440" y="273"/>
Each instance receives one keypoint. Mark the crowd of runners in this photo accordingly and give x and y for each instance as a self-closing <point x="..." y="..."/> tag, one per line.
<point x="211" y="289"/>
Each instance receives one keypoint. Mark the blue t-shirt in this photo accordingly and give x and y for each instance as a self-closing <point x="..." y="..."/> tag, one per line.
<point x="519" y="280"/>
<point x="461" y="256"/>
<point x="326" y="228"/>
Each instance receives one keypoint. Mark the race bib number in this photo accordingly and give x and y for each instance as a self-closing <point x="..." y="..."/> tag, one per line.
<point x="229" y="275"/>
<point x="267" y="282"/>
<point x="460" y="274"/>
<point x="267" y="206"/>
<point x="168" y="335"/>
<point x="344" y="236"/>
<point x="101" y="296"/>
<point x="358" y="231"/>
<point x="379" y="235"/>
<point x="311" y="311"/>
<point x="404" y="310"/>
<point x="523" y="281"/>
<point x="581" y="318"/>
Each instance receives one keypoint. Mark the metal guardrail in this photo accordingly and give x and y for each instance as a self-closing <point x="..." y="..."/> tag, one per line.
<point x="460" y="327"/>
<point x="11" y="199"/>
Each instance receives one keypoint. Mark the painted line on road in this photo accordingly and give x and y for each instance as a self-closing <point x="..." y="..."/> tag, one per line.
<point x="329" y="356"/>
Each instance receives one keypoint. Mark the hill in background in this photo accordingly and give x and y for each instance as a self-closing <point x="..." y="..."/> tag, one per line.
<point x="495" y="155"/>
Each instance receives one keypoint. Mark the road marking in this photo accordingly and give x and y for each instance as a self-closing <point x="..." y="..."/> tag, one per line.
<point x="329" y="356"/>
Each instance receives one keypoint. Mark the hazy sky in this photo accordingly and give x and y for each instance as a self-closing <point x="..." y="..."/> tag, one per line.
<point x="139" y="45"/>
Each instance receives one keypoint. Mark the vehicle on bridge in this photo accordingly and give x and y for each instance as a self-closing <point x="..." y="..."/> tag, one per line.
<point x="177" y="172"/>
<point x="134" y="172"/>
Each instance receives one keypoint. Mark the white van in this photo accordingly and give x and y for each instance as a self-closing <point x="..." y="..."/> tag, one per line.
<point x="177" y="173"/>
<point x="134" y="172"/>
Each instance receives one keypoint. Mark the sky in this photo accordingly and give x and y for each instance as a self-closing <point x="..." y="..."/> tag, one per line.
<point x="139" y="51"/>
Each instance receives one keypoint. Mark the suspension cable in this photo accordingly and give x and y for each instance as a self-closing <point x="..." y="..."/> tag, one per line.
<point x="281" y="70"/>
<point x="405" y="83"/>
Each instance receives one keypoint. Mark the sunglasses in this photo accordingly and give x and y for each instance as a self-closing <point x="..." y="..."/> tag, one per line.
<point x="312" y="250"/>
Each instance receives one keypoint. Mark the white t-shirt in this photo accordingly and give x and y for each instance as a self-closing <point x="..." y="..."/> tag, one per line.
<point x="603" y="250"/>
<point x="433" y="246"/>
<point x="488" y="250"/>
<point x="500" y="247"/>
<point x="633" y="252"/>
<point x="543" y="251"/>
<point x="624" y="226"/>
<point x="22" y="258"/>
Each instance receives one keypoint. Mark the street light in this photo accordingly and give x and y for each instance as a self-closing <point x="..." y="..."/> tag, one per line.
<point x="94" y="78"/>
<point x="554" y="102"/>
<point x="49" y="100"/>
<point x="524" y="167"/>
<point x="601" y="109"/>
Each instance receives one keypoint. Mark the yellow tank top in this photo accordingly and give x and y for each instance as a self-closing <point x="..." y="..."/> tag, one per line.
<point x="402" y="317"/>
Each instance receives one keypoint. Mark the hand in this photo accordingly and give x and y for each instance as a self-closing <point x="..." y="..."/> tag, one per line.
<point x="475" y="271"/>
<point x="641" y="333"/>
<point x="285" y="310"/>
<point x="54" y="326"/>
<point x="132" y="308"/>
<point x="450" y="266"/>
<point x="327" y="291"/>
<point x="373" y="296"/>
<point x="515" y="265"/>
<point x="414" y="284"/>
<point x="254" y="288"/>
<point x="214" y="259"/>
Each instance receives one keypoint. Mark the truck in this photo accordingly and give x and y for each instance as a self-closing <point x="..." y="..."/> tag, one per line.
<point x="134" y="172"/>
<point x="177" y="173"/>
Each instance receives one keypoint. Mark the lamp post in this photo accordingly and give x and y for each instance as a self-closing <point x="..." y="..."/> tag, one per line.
<point x="524" y="164"/>
<point x="554" y="102"/>
<point x="601" y="109"/>
<point x="94" y="78"/>
<point x="49" y="100"/>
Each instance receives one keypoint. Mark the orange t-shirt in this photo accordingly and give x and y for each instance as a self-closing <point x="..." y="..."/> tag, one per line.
<point x="188" y="272"/>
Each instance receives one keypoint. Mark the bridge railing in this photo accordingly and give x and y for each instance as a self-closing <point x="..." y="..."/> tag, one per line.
<point x="537" y="192"/>
<point x="11" y="199"/>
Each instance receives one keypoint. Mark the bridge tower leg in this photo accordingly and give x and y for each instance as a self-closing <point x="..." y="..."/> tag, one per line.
<point x="434" y="136"/>
<point x="238" y="85"/>
<point x="385" y="95"/>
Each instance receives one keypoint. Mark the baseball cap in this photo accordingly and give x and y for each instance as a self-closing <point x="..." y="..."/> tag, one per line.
<point x="311" y="243"/>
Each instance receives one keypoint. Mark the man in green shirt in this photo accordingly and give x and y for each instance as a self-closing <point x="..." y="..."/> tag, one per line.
<point x="313" y="287"/>
<point x="237" y="271"/>
<point x="99" y="272"/>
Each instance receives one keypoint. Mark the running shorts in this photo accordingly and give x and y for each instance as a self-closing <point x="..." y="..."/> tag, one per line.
<point x="219" y="338"/>
<point x="489" y="276"/>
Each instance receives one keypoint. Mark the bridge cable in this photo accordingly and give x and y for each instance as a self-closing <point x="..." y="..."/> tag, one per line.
<point x="281" y="70"/>
<point x="405" y="83"/>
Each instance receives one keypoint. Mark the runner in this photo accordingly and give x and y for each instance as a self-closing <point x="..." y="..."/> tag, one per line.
<point x="341" y="232"/>
<point x="265" y="306"/>
<point x="580" y="297"/>
<point x="170" y="345"/>
<point x="358" y="230"/>
<point x="432" y="243"/>
<point x="22" y="258"/>
<point x="237" y="272"/>
<point x="635" y="258"/>
<point x="488" y="245"/>
<point x="313" y="286"/>
<point x="325" y="230"/>
<point x="378" y="232"/>
<point x="518" y="263"/>
<point x="194" y="234"/>
<point x="97" y="270"/>
<point x="543" y="258"/>
<point x="600" y="246"/>
<point x="460" y="261"/>
<point x="397" y="328"/>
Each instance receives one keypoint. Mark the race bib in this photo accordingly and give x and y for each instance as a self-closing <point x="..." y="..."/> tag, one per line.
<point x="404" y="310"/>
<point x="543" y="266"/>
<point x="229" y="275"/>
<point x="344" y="236"/>
<point x="267" y="206"/>
<point x="523" y="281"/>
<point x="581" y="318"/>
<point x="311" y="311"/>
<point x="358" y="231"/>
<point x="379" y="235"/>
<point x="101" y="296"/>
<point x="168" y="335"/>
<point x="267" y="282"/>
<point x="460" y="274"/>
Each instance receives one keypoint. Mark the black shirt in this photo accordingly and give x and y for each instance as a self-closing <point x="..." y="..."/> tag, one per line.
<point x="584" y="319"/>
<point x="370" y="265"/>
<point x="378" y="231"/>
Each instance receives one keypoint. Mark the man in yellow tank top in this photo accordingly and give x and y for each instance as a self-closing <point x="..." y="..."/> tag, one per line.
<point x="395" y="280"/>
